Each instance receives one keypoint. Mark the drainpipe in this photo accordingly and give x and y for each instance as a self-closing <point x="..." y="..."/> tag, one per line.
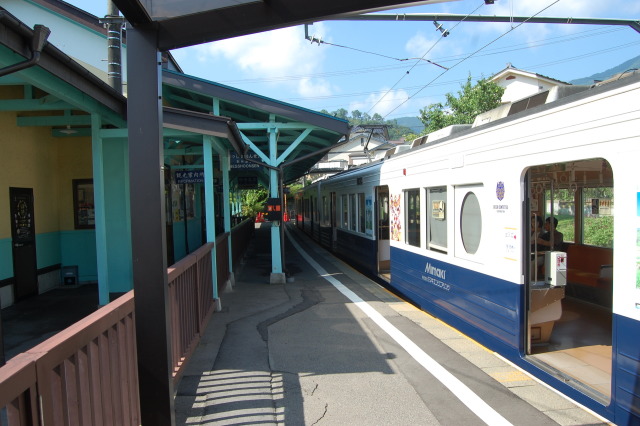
<point x="38" y="40"/>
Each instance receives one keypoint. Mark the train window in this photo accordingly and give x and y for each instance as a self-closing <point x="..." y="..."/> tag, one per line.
<point x="352" y="211"/>
<point x="597" y="229"/>
<point x="361" y="211"/>
<point x="437" y="219"/>
<point x="470" y="223"/>
<point x="563" y="210"/>
<point x="325" y="211"/>
<point x="412" y="218"/>
<point x="345" y="212"/>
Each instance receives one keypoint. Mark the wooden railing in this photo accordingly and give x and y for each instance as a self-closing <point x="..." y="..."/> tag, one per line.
<point x="87" y="374"/>
<point x="191" y="301"/>
<point x="240" y="237"/>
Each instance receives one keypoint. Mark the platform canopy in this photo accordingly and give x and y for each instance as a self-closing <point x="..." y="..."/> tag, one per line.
<point x="190" y="22"/>
<point x="302" y="136"/>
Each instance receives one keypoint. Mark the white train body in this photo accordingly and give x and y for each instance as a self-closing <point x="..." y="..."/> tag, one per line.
<point x="448" y="225"/>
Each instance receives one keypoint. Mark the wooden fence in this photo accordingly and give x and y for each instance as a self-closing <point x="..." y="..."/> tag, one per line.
<point x="87" y="374"/>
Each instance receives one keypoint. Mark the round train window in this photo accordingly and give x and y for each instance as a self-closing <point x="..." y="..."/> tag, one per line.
<point x="471" y="223"/>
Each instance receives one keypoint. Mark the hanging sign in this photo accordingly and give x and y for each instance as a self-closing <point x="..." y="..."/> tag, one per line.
<point x="189" y="176"/>
<point x="239" y="162"/>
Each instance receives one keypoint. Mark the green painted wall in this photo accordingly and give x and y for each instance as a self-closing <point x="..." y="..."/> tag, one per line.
<point x="116" y="170"/>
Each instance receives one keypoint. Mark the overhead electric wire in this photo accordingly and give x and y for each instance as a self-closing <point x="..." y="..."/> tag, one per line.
<point x="489" y="52"/>
<point x="472" y="54"/>
<point x="443" y="34"/>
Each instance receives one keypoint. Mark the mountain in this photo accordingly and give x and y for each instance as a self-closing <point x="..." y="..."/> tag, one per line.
<point x="413" y="123"/>
<point x="633" y="63"/>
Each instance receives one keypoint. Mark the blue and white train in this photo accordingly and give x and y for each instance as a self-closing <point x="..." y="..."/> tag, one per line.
<point x="451" y="224"/>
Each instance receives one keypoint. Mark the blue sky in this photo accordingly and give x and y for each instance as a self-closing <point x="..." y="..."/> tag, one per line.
<point x="372" y="72"/>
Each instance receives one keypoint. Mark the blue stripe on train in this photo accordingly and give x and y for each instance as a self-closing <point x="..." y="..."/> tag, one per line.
<point x="488" y="309"/>
<point x="484" y="307"/>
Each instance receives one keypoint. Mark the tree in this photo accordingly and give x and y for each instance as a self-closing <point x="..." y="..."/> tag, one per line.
<point x="253" y="201"/>
<point x="463" y="109"/>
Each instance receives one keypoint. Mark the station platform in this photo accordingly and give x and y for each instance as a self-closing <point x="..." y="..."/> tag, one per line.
<point x="331" y="347"/>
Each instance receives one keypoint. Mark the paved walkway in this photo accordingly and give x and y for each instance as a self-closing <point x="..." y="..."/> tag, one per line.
<point x="306" y="353"/>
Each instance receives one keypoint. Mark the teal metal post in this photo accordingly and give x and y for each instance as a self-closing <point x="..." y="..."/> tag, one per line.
<point x="209" y="198"/>
<point x="100" y="212"/>
<point x="225" y="165"/>
<point x="277" y="276"/>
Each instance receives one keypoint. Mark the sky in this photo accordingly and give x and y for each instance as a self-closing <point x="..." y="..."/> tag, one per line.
<point x="397" y="68"/>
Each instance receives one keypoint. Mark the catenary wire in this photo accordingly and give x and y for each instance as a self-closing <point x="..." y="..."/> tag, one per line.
<point x="425" y="54"/>
<point x="469" y="56"/>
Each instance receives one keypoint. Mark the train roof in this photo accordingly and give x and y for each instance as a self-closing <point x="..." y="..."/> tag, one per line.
<point x="515" y="110"/>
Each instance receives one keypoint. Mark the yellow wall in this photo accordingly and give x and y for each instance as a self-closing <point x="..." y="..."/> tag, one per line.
<point x="74" y="162"/>
<point x="32" y="158"/>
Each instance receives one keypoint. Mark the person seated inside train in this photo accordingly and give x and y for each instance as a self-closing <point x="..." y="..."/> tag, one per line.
<point x="537" y="230"/>
<point x="544" y="242"/>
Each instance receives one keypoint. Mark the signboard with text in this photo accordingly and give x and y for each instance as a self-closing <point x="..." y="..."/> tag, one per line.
<point x="189" y="176"/>
<point x="239" y="162"/>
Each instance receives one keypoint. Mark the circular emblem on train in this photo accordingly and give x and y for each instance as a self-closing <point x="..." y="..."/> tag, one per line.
<point x="500" y="190"/>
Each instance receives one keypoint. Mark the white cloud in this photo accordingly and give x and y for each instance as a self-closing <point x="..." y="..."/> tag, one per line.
<point x="314" y="87"/>
<point x="279" y="53"/>
<point x="384" y="102"/>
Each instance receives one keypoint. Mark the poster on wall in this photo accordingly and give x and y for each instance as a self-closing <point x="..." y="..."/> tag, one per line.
<point x="368" y="218"/>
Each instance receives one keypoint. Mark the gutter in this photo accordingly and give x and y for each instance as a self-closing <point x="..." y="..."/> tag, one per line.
<point x="38" y="40"/>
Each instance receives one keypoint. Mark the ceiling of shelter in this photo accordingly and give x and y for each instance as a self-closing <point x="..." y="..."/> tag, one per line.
<point x="186" y="23"/>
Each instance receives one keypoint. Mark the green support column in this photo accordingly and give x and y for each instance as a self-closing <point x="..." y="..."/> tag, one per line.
<point x="225" y="165"/>
<point x="115" y="160"/>
<point x="207" y="152"/>
<point x="277" y="274"/>
<point x="100" y="214"/>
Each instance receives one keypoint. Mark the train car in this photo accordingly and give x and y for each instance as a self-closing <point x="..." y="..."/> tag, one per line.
<point x="453" y="225"/>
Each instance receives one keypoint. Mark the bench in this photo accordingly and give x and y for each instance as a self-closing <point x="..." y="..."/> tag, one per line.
<point x="590" y="273"/>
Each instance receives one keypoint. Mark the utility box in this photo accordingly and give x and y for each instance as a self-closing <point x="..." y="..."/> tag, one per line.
<point x="555" y="265"/>
<point x="69" y="275"/>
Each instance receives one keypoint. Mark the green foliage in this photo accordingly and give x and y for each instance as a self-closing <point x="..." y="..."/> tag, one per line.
<point x="598" y="231"/>
<point x="253" y="201"/>
<point x="357" y="118"/>
<point x="463" y="108"/>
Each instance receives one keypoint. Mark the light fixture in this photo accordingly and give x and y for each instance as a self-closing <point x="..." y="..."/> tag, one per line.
<point x="439" y="28"/>
<point x="68" y="131"/>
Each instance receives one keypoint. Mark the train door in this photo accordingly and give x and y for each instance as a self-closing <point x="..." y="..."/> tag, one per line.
<point x="382" y="219"/>
<point x="568" y="266"/>
<point x="334" y="225"/>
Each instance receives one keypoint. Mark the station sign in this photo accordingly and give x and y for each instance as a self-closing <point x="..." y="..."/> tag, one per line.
<point x="189" y="176"/>
<point x="240" y="162"/>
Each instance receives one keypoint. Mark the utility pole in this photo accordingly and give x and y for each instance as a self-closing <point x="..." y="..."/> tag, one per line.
<point x="114" y="23"/>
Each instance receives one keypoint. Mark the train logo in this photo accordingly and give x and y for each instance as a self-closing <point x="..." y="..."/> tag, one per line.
<point x="500" y="190"/>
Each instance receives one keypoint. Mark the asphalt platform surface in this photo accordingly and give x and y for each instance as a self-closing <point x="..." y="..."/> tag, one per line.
<point x="303" y="353"/>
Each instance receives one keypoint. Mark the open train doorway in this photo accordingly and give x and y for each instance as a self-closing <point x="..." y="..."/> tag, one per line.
<point x="570" y="264"/>
<point x="382" y="234"/>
